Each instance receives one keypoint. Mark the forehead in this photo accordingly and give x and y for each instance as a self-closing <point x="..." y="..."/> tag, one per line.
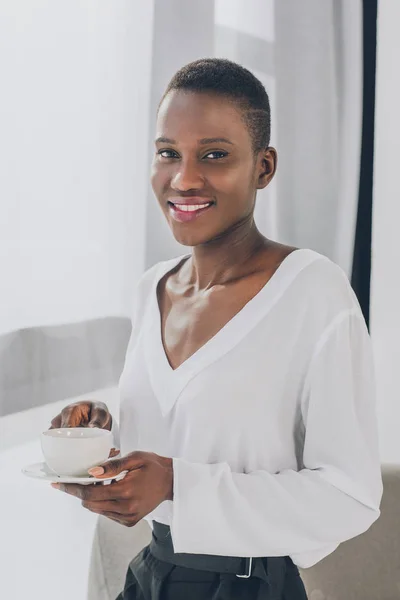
<point x="200" y="115"/>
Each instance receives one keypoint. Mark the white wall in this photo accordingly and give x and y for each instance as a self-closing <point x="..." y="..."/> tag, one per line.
<point x="385" y="284"/>
<point x="74" y="107"/>
<point x="74" y="104"/>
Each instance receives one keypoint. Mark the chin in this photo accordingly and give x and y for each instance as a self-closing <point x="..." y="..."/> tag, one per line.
<point x="188" y="240"/>
<point x="192" y="238"/>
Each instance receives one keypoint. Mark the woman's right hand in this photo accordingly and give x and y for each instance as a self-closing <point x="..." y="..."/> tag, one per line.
<point x="87" y="413"/>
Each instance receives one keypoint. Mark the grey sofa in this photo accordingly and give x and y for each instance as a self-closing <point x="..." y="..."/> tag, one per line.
<point x="364" y="568"/>
<point x="368" y="566"/>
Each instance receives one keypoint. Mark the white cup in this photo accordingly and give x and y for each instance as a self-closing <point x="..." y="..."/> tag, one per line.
<point x="74" y="450"/>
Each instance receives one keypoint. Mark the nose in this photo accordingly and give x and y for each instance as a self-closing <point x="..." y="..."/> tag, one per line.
<point x="187" y="177"/>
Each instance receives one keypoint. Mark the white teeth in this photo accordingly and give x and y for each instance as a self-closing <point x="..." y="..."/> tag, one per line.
<point x="191" y="207"/>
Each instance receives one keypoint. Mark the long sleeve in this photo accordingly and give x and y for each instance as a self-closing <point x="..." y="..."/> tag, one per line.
<point x="334" y="496"/>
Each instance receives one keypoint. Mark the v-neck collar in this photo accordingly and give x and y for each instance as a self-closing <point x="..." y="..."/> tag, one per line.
<point x="168" y="383"/>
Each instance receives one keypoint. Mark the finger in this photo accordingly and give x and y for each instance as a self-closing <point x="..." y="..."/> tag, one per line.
<point x="121" y="519"/>
<point x="126" y="520"/>
<point x="76" y="415"/>
<point x="96" y="493"/>
<point x="65" y="420"/>
<point x="70" y="488"/>
<point x="99" y="416"/>
<point x="69" y="417"/>
<point x="56" y="422"/>
<point x="107" y="506"/>
<point x="134" y="460"/>
<point x="87" y="492"/>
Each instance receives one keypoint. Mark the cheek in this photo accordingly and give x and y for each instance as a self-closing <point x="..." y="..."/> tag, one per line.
<point x="233" y="186"/>
<point x="158" y="179"/>
<point x="154" y="177"/>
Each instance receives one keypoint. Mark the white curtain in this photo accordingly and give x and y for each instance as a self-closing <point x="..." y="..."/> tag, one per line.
<point x="309" y="57"/>
<point x="78" y="222"/>
<point x="385" y="280"/>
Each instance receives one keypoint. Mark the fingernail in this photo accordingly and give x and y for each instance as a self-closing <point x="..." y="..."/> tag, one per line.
<point x="56" y="486"/>
<point x="96" y="471"/>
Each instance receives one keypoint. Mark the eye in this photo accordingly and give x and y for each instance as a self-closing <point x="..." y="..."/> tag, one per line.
<point x="167" y="153"/>
<point x="216" y="154"/>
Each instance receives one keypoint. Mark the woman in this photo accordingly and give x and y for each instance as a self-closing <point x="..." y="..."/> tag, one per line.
<point x="247" y="420"/>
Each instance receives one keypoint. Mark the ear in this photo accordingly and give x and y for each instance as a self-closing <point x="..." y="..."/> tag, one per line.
<point x="268" y="161"/>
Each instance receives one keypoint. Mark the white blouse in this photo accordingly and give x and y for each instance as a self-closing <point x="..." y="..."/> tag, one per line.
<point x="271" y="424"/>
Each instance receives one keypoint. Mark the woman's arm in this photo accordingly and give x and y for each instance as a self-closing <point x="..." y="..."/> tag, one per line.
<point x="335" y="497"/>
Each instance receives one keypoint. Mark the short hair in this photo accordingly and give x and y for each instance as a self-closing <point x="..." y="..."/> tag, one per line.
<point x="226" y="78"/>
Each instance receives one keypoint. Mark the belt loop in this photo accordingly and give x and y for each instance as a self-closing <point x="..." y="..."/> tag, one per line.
<point x="249" y="571"/>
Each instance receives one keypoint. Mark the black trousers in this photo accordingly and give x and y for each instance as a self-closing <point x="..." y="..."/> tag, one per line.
<point x="149" y="578"/>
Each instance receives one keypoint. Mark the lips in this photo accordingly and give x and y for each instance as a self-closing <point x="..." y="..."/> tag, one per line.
<point x="189" y="209"/>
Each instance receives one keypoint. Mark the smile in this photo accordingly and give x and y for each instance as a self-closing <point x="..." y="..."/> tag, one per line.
<point x="188" y="212"/>
<point x="190" y="207"/>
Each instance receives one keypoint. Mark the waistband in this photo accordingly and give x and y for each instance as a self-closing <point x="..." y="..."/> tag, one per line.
<point x="161" y="547"/>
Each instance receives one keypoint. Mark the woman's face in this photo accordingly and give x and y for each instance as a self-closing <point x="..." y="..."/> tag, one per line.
<point x="205" y="173"/>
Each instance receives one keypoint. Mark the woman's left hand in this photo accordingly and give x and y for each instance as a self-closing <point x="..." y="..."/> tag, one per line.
<point x="149" y="482"/>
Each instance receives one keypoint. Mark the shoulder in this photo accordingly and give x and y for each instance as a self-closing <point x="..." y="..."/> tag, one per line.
<point x="329" y="281"/>
<point x="324" y="290"/>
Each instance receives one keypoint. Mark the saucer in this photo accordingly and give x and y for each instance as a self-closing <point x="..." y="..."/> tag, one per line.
<point x="42" y="471"/>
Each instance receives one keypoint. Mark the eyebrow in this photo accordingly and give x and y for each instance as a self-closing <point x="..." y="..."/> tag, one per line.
<point x="217" y="140"/>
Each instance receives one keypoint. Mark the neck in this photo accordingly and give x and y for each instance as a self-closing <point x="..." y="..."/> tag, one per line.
<point x="225" y="258"/>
